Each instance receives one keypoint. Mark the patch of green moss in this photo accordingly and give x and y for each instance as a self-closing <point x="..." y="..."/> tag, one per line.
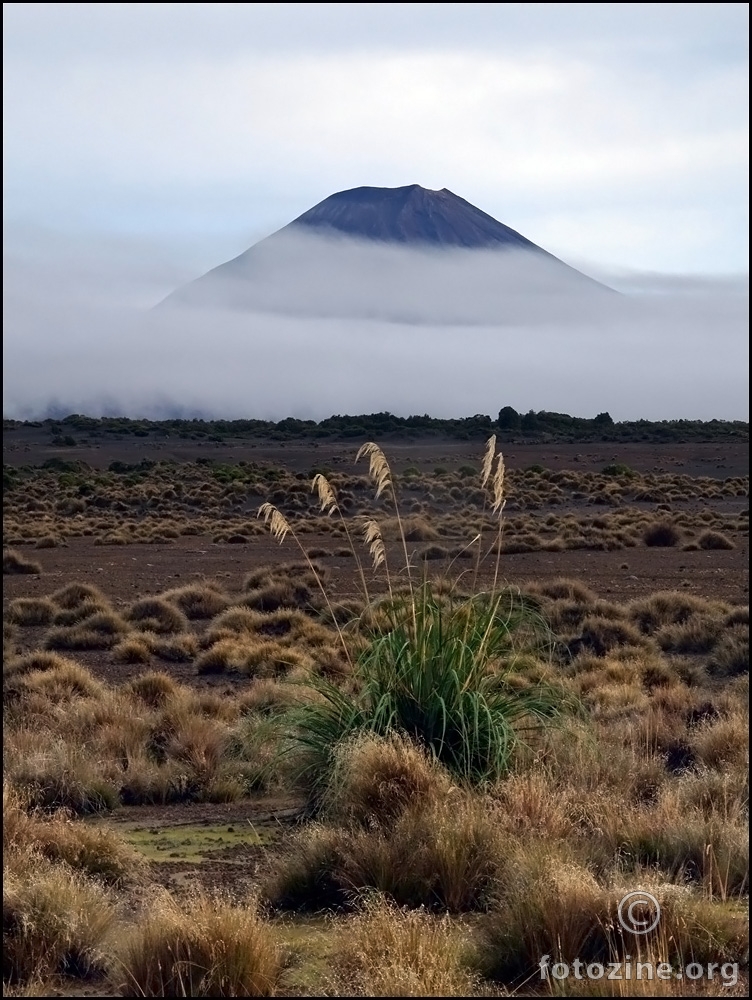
<point x="194" y="843"/>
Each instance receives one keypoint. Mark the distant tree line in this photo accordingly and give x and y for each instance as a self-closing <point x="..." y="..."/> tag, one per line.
<point x="509" y="425"/>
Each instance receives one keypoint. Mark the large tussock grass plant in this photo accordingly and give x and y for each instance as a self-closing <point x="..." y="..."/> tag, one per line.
<point x="206" y="947"/>
<point x="436" y="667"/>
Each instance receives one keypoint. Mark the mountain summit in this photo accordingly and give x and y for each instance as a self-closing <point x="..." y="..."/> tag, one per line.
<point x="411" y="214"/>
<point x="407" y="254"/>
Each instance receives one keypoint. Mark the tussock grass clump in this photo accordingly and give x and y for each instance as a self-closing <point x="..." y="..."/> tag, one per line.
<point x="275" y="659"/>
<point x="279" y="594"/>
<point x="132" y="649"/>
<point x="563" y="588"/>
<point x="198" y="601"/>
<point x="714" y="540"/>
<point x="72" y="595"/>
<point x="307" y="878"/>
<point x="35" y="662"/>
<point x="58" y="681"/>
<point x="601" y="635"/>
<point x="180" y="648"/>
<point x="233" y="623"/>
<point x="31" y="611"/>
<point x="269" y="697"/>
<point x="434" y="552"/>
<point x="307" y="573"/>
<point x="97" y="852"/>
<point x="698" y="635"/>
<point x="555" y="907"/>
<point x="417" y="529"/>
<point x="550" y="905"/>
<point x="155" y="614"/>
<point x="662" y="534"/>
<point x="55" y="920"/>
<point x="388" y="952"/>
<point x="374" y="779"/>
<point x="60" y="776"/>
<point x="222" y="656"/>
<point x="721" y="743"/>
<point x="15" y="562"/>
<point x="443" y="675"/>
<point x="48" y="542"/>
<point x="80" y="613"/>
<point x="101" y="630"/>
<point x="443" y="856"/>
<point x="206" y="947"/>
<point x="153" y="689"/>
<point x="730" y="655"/>
<point x="435" y="667"/>
<point x="666" y="607"/>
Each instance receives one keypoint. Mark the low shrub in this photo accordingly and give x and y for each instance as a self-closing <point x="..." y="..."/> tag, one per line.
<point x="662" y="534"/>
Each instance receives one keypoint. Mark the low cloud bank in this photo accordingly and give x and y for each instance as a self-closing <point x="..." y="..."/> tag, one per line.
<point x="312" y="329"/>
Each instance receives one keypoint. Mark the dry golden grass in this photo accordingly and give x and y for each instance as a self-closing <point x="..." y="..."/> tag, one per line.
<point x="388" y="952"/>
<point x="97" y="852"/>
<point x="204" y="947"/>
<point x="54" y="920"/>
<point x="31" y="611"/>
<point x="155" y="614"/>
<point x="72" y="595"/>
<point x="15" y="562"/>
<point x="153" y="689"/>
<point x="132" y="649"/>
<point x="444" y="856"/>
<point x="375" y="779"/>
<point x="100" y="630"/>
<point x="714" y="540"/>
<point x="198" y="601"/>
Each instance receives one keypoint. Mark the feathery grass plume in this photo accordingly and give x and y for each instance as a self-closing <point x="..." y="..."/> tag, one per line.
<point x="488" y="460"/>
<point x="329" y="506"/>
<point x="327" y="498"/>
<point x="381" y="473"/>
<point x="496" y="481"/>
<point x="498" y="486"/>
<point x="378" y="467"/>
<point x="280" y="527"/>
<point x="278" y="523"/>
<point x="374" y="541"/>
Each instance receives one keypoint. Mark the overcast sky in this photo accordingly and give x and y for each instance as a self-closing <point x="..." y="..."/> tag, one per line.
<point x="150" y="142"/>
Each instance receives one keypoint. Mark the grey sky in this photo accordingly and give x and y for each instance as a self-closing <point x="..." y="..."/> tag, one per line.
<point x="147" y="143"/>
<point x="611" y="133"/>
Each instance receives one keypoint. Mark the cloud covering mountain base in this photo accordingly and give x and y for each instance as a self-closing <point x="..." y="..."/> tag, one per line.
<point x="358" y="329"/>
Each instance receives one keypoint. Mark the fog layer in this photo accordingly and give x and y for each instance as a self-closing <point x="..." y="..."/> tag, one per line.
<point x="309" y="328"/>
